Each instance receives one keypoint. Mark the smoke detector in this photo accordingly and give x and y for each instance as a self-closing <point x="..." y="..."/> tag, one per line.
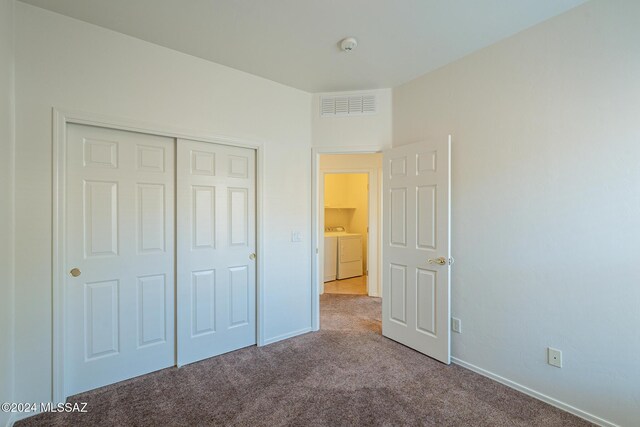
<point x="349" y="44"/>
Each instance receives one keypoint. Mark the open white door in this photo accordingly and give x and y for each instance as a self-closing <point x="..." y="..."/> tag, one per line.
<point x="416" y="249"/>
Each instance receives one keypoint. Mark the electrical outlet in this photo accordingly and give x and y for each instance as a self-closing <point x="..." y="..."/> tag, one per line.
<point x="554" y="357"/>
<point x="456" y="325"/>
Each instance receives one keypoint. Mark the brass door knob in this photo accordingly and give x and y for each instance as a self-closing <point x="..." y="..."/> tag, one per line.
<point x="75" y="272"/>
<point x="440" y="260"/>
<point x="252" y="256"/>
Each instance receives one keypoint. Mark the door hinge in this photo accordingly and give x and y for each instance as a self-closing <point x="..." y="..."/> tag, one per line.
<point x="316" y="250"/>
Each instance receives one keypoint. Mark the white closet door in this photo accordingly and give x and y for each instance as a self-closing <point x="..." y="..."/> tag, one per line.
<point x="216" y="239"/>
<point x="119" y="298"/>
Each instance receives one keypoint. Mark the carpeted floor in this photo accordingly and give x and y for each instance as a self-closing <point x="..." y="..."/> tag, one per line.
<point x="346" y="374"/>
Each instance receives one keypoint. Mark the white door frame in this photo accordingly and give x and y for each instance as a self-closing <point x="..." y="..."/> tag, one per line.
<point x="317" y="220"/>
<point x="61" y="118"/>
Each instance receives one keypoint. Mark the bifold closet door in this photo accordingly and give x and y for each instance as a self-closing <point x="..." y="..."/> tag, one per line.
<point x="216" y="273"/>
<point x="119" y="255"/>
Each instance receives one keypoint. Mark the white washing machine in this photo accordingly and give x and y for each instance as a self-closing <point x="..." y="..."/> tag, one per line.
<point x="342" y="254"/>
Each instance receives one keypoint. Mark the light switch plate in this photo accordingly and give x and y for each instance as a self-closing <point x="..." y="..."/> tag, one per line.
<point x="296" y="236"/>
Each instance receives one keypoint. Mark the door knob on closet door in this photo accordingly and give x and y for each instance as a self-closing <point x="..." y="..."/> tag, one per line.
<point x="440" y="260"/>
<point x="252" y="256"/>
<point x="75" y="272"/>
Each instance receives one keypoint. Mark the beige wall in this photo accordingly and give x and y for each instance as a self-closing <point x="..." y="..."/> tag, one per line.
<point x="546" y="203"/>
<point x="6" y="203"/>
<point x="65" y="63"/>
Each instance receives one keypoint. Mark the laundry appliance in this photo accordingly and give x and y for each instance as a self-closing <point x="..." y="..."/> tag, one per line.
<point x="342" y="254"/>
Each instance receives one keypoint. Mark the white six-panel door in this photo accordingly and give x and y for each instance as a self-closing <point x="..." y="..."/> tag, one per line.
<point x="119" y="304"/>
<point x="416" y="248"/>
<point x="216" y="249"/>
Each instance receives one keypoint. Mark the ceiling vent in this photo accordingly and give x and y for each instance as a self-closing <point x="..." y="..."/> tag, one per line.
<point x="352" y="105"/>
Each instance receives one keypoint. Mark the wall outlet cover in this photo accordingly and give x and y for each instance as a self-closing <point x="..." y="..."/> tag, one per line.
<point x="554" y="357"/>
<point x="456" y="325"/>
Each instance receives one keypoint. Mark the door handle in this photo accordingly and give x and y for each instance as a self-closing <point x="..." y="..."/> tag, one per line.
<point x="75" y="272"/>
<point x="252" y="256"/>
<point x="440" y="260"/>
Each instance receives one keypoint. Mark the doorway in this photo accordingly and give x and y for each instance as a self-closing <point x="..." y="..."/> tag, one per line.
<point x="346" y="222"/>
<point x="417" y="244"/>
<point x="346" y="233"/>
<point x="133" y="209"/>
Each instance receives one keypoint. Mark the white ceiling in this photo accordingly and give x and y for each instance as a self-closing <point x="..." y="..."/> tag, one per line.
<point x="295" y="42"/>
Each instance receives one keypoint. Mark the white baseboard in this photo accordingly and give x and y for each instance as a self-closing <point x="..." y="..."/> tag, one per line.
<point x="287" y="335"/>
<point x="535" y="394"/>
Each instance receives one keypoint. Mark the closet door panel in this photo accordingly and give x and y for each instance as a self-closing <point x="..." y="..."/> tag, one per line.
<point x="120" y="254"/>
<point x="216" y="274"/>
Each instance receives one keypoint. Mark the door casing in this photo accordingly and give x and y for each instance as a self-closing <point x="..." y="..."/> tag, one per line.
<point x="61" y="118"/>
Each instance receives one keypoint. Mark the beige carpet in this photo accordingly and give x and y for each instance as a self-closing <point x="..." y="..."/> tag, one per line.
<point x="347" y="374"/>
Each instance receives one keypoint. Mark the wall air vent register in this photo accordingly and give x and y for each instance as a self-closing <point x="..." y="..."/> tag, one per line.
<point x="347" y="105"/>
